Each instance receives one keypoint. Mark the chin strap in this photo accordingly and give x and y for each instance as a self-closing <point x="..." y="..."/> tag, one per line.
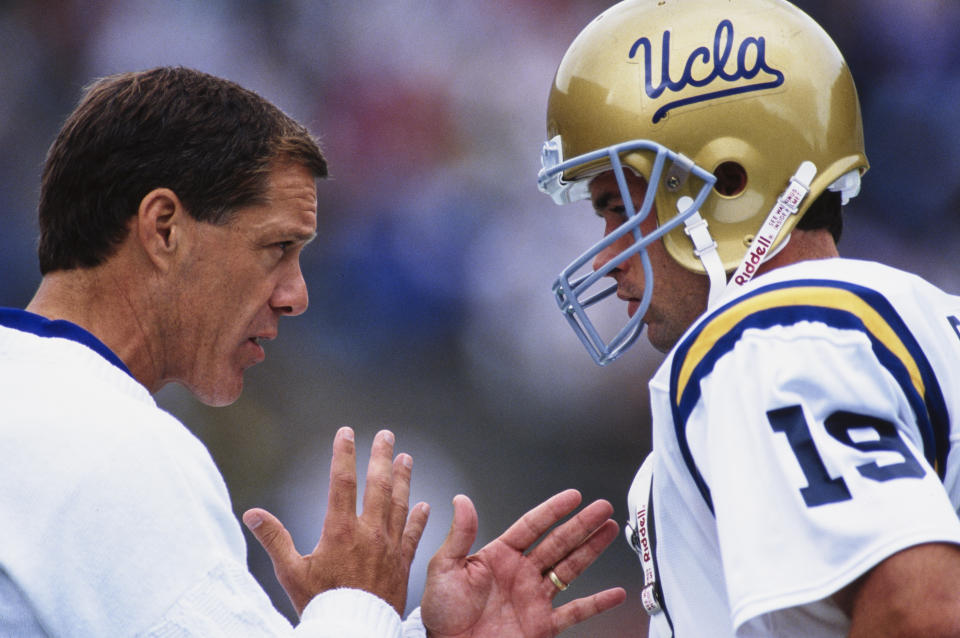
<point x="704" y="247"/>
<point x="787" y="205"/>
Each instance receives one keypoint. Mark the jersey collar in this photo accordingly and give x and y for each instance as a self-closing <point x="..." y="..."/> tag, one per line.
<point x="42" y="327"/>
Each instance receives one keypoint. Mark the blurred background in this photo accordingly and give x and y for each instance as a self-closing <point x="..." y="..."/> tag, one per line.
<point x="431" y="311"/>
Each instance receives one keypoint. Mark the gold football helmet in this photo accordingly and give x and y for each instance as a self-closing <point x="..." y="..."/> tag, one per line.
<point x="738" y="114"/>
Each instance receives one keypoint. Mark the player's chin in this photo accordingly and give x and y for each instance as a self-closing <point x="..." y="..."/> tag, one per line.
<point x="661" y="337"/>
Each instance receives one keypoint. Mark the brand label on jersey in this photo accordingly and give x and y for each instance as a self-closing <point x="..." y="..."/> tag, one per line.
<point x="643" y="541"/>
<point x="648" y="594"/>
<point x="713" y="69"/>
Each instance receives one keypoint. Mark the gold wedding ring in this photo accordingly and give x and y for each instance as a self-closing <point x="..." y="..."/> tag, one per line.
<point x="559" y="584"/>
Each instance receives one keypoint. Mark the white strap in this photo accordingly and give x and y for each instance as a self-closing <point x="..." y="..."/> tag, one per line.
<point x="787" y="204"/>
<point x="704" y="247"/>
<point x="638" y="533"/>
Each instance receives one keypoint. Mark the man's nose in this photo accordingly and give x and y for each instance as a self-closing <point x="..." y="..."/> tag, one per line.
<point x="290" y="296"/>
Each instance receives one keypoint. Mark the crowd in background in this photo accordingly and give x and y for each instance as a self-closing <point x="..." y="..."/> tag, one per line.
<point x="431" y="310"/>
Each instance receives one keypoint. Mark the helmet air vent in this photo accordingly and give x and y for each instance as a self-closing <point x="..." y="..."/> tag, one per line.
<point x="731" y="179"/>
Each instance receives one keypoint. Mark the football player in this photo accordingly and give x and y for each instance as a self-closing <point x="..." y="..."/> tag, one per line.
<point x="803" y="479"/>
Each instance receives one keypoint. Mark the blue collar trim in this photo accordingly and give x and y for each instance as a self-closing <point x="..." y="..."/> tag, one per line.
<point x="41" y="326"/>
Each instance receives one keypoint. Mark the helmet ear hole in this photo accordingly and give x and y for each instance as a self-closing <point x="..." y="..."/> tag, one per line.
<point x="731" y="179"/>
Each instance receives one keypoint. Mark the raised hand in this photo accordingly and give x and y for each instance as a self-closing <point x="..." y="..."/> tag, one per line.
<point x="372" y="551"/>
<point x="504" y="592"/>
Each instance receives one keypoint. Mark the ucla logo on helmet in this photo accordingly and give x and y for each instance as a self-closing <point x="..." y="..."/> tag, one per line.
<point x="714" y="70"/>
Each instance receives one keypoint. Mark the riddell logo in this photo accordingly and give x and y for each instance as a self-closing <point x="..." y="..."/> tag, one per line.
<point x="643" y="542"/>
<point x="754" y="259"/>
<point x="707" y="68"/>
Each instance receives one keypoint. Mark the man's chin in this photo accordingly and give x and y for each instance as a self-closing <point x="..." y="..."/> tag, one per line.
<point x="218" y="395"/>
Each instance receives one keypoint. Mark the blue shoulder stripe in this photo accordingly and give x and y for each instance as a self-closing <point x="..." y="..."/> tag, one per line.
<point x="836" y="304"/>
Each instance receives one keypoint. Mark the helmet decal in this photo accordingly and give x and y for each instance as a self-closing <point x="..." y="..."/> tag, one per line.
<point x="723" y="40"/>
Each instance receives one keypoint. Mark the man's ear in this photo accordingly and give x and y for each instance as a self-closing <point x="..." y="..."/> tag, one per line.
<point x="160" y="226"/>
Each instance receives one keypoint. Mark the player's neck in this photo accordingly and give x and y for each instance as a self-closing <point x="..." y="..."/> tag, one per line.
<point x="804" y="245"/>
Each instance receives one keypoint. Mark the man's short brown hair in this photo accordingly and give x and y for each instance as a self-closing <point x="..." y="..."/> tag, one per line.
<point x="209" y="140"/>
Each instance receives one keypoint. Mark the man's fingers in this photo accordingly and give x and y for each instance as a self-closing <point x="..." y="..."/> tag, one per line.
<point x="273" y="536"/>
<point x="531" y="526"/>
<point x="463" y="531"/>
<point x="577" y="561"/>
<point x="342" y="499"/>
<point x="378" y="492"/>
<point x="413" y="531"/>
<point x="402" y="470"/>
<point x="567" y="537"/>
<point x="578" y="610"/>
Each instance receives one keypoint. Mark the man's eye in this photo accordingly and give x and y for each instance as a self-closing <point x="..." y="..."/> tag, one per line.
<point x="620" y="211"/>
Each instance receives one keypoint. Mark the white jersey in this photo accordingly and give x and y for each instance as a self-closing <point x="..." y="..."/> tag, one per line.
<point x="803" y="432"/>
